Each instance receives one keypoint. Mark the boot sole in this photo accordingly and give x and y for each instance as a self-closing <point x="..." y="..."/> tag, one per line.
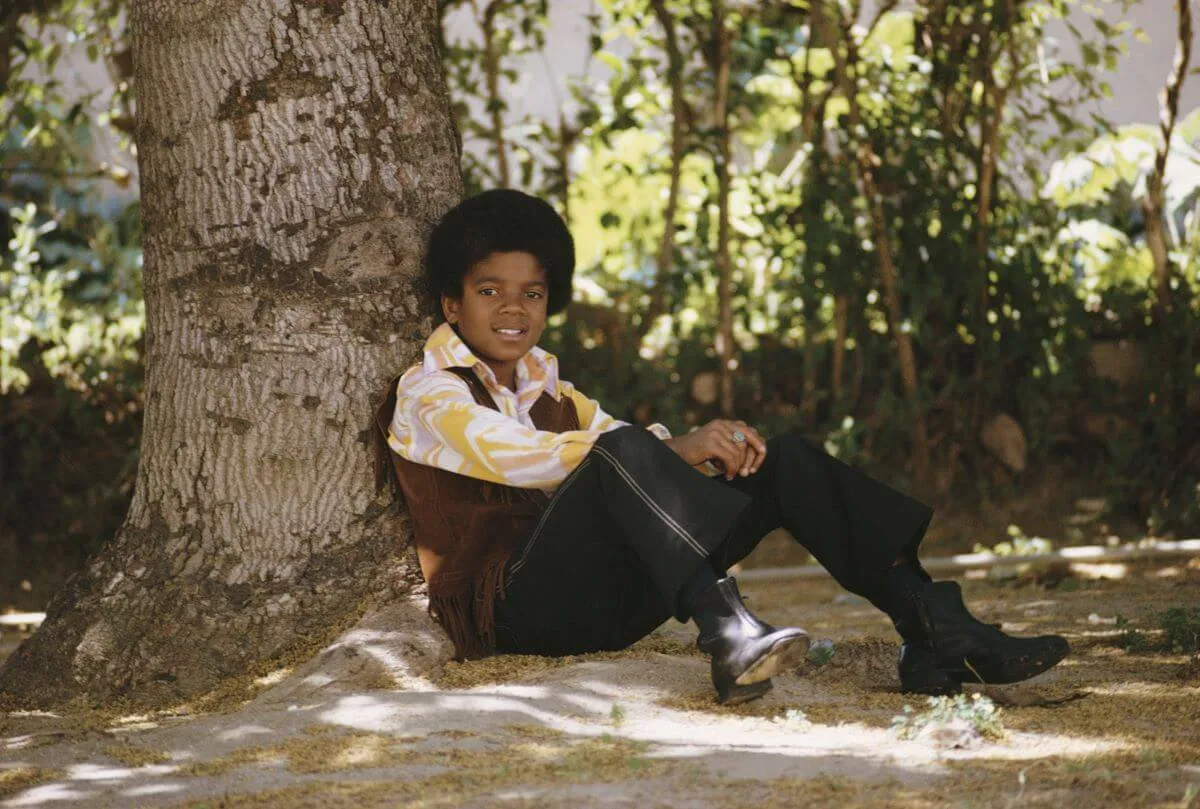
<point x="1009" y="672"/>
<point x="737" y="694"/>
<point x="784" y="655"/>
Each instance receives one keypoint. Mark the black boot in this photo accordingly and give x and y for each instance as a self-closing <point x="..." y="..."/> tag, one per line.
<point x="952" y="647"/>
<point x="746" y="652"/>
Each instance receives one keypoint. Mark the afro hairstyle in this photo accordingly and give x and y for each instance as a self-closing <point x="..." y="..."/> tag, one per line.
<point x="500" y="221"/>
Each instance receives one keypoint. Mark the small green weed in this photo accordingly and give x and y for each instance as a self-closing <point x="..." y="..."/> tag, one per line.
<point x="617" y="715"/>
<point x="977" y="711"/>
<point x="1181" y="627"/>
<point x="1130" y="639"/>
<point x="792" y="717"/>
<point x="821" y="652"/>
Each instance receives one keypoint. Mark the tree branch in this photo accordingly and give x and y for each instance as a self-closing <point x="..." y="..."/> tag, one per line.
<point x="1154" y="203"/>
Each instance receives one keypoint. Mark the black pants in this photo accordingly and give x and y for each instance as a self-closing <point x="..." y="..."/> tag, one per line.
<point x="605" y="563"/>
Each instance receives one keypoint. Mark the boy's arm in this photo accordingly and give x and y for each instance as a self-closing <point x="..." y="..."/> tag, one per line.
<point x="593" y="417"/>
<point x="438" y="423"/>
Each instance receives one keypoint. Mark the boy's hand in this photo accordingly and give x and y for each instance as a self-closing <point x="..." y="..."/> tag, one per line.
<point x="716" y="441"/>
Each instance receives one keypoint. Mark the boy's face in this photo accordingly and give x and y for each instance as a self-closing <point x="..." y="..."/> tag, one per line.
<point x="502" y="311"/>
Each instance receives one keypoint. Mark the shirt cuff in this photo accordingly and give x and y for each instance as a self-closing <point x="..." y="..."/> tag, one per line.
<point x="659" y="431"/>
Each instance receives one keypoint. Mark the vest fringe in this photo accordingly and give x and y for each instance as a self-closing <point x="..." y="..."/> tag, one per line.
<point x="468" y="612"/>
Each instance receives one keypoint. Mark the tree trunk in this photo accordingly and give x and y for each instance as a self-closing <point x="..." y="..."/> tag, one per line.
<point x="991" y="117"/>
<point x="895" y="310"/>
<point x="293" y="157"/>
<point x="841" y="321"/>
<point x="722" y="41"/>
<point x="866" y="161"/>
<point x="666" y="246"/>
<point x="495" y="104"/>
<point x="562" y="151"/>
<point x="1153" y="205"/>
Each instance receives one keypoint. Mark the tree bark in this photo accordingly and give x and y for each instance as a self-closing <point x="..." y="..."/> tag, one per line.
<point x="293" y="156"/>
<point x="722" y="41"/>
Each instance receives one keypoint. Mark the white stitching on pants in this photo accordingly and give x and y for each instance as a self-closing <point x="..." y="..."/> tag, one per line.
<point x="537" y="529"/>
<point x="666" y="518"/>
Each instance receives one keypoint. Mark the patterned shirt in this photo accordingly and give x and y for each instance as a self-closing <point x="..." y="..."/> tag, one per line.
<point x="437" y="421"/>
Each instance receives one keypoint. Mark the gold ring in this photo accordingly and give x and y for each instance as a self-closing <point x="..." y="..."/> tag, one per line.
<point x="738" y="436"/>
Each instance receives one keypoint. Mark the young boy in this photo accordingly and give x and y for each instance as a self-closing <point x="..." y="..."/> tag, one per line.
<point x="545" y="526"/>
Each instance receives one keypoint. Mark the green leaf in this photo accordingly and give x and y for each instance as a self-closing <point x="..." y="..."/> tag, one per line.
<point x="611" y="60"/>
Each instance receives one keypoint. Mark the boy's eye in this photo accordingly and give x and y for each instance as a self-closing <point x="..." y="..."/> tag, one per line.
<point x="534" y="294"/>
<point x="487" y="291"/>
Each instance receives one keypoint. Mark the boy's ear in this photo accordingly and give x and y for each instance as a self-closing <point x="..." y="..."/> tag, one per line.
<point x="450" y="307"/>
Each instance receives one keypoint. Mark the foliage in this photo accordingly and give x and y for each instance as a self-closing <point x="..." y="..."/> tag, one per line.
<point x="952" y="140"/>
<point x="79" y="309"/>
<point x="70" y="279"/>
<point x="71" y="314"/>
<point x="479" y="70"/>
<point x="1017" y="545"/>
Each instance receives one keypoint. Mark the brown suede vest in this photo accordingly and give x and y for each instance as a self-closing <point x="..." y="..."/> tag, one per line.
<point x="465" y="528"/>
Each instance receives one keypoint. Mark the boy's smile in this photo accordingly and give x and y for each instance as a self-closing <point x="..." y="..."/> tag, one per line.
<point x="502" y="311"/>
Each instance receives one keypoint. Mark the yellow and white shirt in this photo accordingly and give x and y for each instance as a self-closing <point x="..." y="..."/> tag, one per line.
<point x="438" y="423"/>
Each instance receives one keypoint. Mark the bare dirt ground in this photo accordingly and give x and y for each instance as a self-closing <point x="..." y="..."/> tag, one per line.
<point x="1110" y="727"/>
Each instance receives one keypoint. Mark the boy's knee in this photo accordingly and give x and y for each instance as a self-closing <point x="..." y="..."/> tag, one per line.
<point x="791" y="444"/>
<point x="797" y="451"/>
<point x="626" y="440"/>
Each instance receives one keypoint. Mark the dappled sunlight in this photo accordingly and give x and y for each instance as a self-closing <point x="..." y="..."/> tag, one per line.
<point x="48" y="793"/>
<point x="99" y="772"/>
<point x="645" y="719"/>
<point x="590" y="719"/>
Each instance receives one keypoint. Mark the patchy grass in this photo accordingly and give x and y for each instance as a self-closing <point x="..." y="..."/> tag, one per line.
<point x="509" y="668"/>
<point x="135" y="756"/>
<point x="320" y="752"/>
<point x="472" y="775"/>
<point x="15" y="779"/>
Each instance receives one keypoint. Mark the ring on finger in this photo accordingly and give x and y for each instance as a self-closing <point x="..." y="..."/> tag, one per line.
<point x="739" y="437"/>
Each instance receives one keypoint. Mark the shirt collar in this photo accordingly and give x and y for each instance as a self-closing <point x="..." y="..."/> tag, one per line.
<point x="536" y="371"/>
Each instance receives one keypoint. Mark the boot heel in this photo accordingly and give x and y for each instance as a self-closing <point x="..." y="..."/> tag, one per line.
<point x="786" y="654"/>
<point x="745" y="652"/>
<point x="920" y="673"/>
<point x="933" y="683"/>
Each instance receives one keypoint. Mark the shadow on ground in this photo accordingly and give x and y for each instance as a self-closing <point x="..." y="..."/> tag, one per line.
<point x="640" y="727"/>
